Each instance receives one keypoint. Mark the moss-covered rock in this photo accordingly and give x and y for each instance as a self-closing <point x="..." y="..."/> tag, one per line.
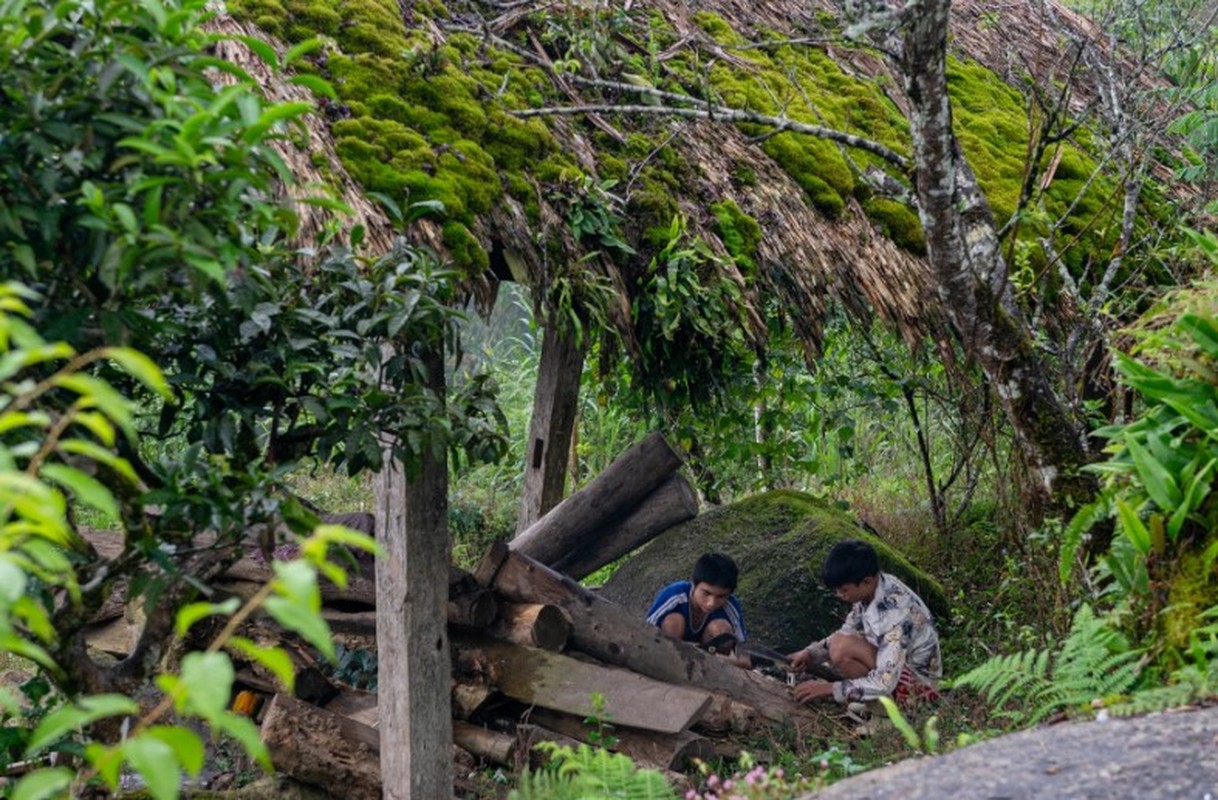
<point x="779" y="539"/>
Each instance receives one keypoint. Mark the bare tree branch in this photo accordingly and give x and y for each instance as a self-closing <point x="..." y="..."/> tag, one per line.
<point x="704" y="110"/>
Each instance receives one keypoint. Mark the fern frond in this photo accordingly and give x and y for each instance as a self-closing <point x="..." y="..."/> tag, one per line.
<point x="1093" y="662"/>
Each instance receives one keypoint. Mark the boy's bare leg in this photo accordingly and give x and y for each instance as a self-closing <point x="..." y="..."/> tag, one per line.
<point x="851" y="656"/>
<point x="673" y="626"/>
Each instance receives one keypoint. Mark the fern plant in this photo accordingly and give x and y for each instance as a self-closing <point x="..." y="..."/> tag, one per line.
<point x="1196" y="680"/>
<point x="1093" y="662"/>
<point x="588" y="772"/>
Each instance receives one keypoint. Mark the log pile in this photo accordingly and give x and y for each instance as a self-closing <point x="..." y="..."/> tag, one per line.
<point x="535" y="656"/>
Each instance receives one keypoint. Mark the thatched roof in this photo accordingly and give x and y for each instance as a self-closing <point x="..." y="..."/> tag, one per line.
<point x="805" y="258"/>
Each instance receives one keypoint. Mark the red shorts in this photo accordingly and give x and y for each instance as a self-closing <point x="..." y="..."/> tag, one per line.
<point x="912" y="690"/>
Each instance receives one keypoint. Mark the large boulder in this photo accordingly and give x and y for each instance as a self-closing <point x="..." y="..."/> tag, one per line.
<point x="1160" y="757"/>
<point x="779" y="539"/>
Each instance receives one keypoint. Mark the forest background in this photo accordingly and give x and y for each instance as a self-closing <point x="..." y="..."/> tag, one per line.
<point x="151" y="259"/>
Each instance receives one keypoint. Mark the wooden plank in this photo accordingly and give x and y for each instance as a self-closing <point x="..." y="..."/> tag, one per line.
<point x="555" y="681"/>
<point x="659" y="751"/>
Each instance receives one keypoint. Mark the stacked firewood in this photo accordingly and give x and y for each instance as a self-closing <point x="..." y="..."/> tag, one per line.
<point x="535" y="656"/>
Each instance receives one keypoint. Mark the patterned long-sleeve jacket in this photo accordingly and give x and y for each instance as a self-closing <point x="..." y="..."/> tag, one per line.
<point x="899" y="625"/>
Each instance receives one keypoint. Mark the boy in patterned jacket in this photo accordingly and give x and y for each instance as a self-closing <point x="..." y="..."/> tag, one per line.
<point x="887" y="645"/>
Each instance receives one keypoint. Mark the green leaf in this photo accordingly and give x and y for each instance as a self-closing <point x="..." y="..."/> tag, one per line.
<point x="299" y="51"/>
<point x="154" y="760"/>
<point x="246" y="732"/>
<point x="142" y="368"/>
<point x="84" y="447"/>
<point x="315" y="84"/>
<point x="188" y="615"/>
<point x="272" y="115"/>
<point x="98" y="394"/>
<point x="187" y="747"/>
<point x="12" y="581"/>
<point x="72" y="716"/>
<point x="43" y="784"/>
<point x="1203" y="330"/>
<point x="98" y="425"/>
<point x="13" y="420"/>
<point x="207" y="680"/>
<point x="307" y="622"/>
<point x="260" y="48"/>
<point x="273" y="658"/>
<point x="22" y="648"/>
<point x="23" y="254"/>
<point x="1159" y="483"/>
<point x="1133" y="526"/>
<point x="86" y="488"/>
<point x="108" y="761"/>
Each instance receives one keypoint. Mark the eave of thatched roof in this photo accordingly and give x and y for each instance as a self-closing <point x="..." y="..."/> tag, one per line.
<point x="805" y="259"/>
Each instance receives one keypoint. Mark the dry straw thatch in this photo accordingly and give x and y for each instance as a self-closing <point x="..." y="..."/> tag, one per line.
<point x="804" y="259"/>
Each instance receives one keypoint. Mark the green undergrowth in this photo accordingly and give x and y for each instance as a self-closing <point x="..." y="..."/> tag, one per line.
<point x="426" y="116"/>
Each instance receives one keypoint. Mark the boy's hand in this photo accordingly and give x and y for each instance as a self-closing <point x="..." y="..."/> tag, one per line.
<point x="799" y="660"/>
<point x="811" y="690"/>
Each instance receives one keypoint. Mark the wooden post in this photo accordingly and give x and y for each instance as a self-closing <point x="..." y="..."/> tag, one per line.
<point x="412" y="613"/>
<point x="606" y="499"/>
<point x="555" y="400"/>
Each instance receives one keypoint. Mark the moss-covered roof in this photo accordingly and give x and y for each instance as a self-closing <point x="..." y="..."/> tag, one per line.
<point x="428" y="92"/>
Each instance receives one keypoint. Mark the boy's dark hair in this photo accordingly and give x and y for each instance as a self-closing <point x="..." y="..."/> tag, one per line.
<point x="849" y="561"/>
<point x="717" y="570"/>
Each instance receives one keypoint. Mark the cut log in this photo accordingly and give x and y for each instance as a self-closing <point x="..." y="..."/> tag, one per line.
<point x="659" y="751"/>
<point x="471" y="606"/>
<point x="322" y="748"/>
<point x="552" y="680"/>
<point x="468" y="697"/>
<point x="356" y="705"/>
<point x="671" y="504"/>
<point x="528" y="736"/>
<point x="487" y="744"/>
<point x="606" y="499"/>
<point x="725" y="715"/>
<point x="610" y="633"/>
<point x="533" y="625"/>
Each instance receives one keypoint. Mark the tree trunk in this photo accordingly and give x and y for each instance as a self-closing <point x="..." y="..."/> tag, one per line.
<point x="561" y="683"/>
<point x="607" y="498"/>
<point x="537" y="625"/>
<point x="322" y="748"/>
<point x="671" y="504"/>
<point x="970" y="273"/>
<point x="555" y="401"/>
<point x="612" y="634"/>
<point x="412" y="630"/>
